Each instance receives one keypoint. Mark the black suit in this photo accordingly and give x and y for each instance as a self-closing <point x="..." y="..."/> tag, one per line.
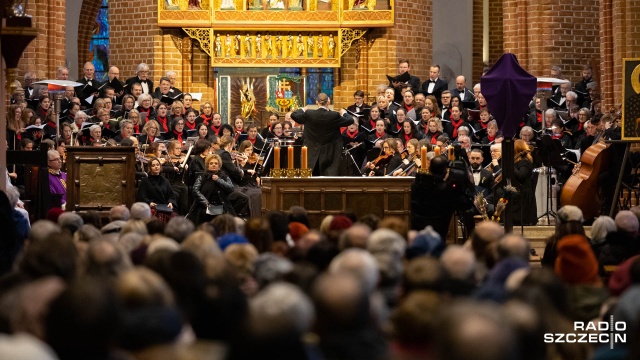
<point x="468" y="94"/>
<point x="95" y="83"/>
<point x="239" y="200"/>
<point x="322" y="137"/>
<point x="414" y="81"/>
<point x="439" y="87"/>
<point x="136" y="79"/>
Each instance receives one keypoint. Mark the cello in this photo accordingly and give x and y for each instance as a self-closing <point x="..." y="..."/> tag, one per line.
<point x="582" y="188"/>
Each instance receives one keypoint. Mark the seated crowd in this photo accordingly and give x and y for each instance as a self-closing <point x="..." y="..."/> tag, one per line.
<point x="74" y="287"/>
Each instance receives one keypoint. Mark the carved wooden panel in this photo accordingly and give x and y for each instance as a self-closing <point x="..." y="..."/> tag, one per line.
<point x="99" y="178"/>
<point x="323" y="196"/>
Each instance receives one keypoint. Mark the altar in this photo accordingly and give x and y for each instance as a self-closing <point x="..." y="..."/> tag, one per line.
<point x="322" y="196"/>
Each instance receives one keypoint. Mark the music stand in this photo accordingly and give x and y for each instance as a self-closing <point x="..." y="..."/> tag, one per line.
<point x="347" y="153"/>
<point x="549" y="150"/>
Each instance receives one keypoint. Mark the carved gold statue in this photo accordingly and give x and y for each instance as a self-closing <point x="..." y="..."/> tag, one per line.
<point x="319" y="45"/>
<point x="300" y="46"/>
<point x="247" y="46"/>
<point x="217" y="49"/>
<point x="290" y="46"/>
<point x="227" y="5"/>
<point x="236" y="46"/>
<point x="310" y="45"/>
<point x="227" y="46"/>
<point x="295" y="5"/>
<point x="276" y="5"/>
<point x="278" y="46"/>
<point x="248" y="99"/>
<point x="258" y="46"/>
<point x="268" y="45"/>
<point x="332" y="46"/>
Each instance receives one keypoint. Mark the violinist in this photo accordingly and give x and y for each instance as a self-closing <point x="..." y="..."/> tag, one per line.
<point x="411" y="160"/>
<point x="174" y="169"/>
<point x="239" y="200"/>
<point x="389" y="159"/>
<point x="249" y="184"/>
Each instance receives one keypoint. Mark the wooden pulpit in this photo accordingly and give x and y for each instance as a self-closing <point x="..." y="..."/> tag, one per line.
<point x="99" y="178"/>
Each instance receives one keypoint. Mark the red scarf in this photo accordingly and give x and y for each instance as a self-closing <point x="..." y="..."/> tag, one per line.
<point x="163" y="123"/>
<point x="556" y="136"/>
<point x="434" y="136"/>
<point x="455" y="127"/>
<point x="216" y="130"/>
<point x="52" y="124"/>
<point x="380" y="135"/>
<point x="147" y="112"/>
<point x="136" y="129"/>
<point x="398" y="126"/>
<point x="350" y="134"/>
<point x="539" y="116"/>
<point x="206" y="119"/>
<point x="178" y="135"/>
<point x="107" y="126"/>
<point x="408" y="107"/>
<point x="253" y="141"/>
<point x="407" y="137"/>
<point x="491" y="138"/>
<point x="150" y="138"/>
<point x="484" y="125"/>
<point x="580" y="125"/>
<point x="190" y="126"/>
<point x="372" y="123"/>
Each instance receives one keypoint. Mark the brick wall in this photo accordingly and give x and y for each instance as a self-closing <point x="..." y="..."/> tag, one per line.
<point x="552" y="32"/>
<point x="47" y="51"/>
<point x="620" y="38"/>
<point x="134" y="31"/>
<point x="496" y="35"/>
<point x="478" y="23"/>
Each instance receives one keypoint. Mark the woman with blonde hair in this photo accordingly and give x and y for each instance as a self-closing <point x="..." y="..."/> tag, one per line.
<point x="523" y="206"/>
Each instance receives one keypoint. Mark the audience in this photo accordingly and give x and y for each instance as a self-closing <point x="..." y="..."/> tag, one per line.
<point x="276" y="287"/>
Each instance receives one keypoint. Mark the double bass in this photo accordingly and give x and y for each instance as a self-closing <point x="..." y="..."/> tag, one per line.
<point x="583" y="187"/>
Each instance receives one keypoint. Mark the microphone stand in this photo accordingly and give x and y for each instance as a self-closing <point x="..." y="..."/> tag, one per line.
<point x="347" y="152"/>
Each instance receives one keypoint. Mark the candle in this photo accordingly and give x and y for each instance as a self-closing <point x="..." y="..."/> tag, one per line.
<point x="276" y="157"/>
<point x="423" y="157"/>
<point x="290" y="157"/>
<point x="452" y="154"/>
<point x="436" y="150"/>
<point x="304" y="159"/>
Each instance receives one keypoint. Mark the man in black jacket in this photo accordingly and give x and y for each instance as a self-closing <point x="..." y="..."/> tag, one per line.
<point x="322" y="135"/>
<point x="434" y="85"/>
<point x="414" y="82"/>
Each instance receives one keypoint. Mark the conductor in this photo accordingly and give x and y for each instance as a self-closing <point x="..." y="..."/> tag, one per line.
<point x="322" y="135"/>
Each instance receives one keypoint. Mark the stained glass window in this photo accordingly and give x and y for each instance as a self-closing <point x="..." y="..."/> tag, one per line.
<point x="319" y="80"/>
<point x="99" y="45"/>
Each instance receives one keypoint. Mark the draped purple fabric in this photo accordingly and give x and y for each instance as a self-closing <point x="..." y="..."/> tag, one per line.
<point x="508" y="89"/>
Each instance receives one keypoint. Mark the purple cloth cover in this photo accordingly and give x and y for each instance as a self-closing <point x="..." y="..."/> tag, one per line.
<point x="508" y="89"/>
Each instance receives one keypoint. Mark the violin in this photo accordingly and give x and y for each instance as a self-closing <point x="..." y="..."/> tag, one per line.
<point x="382" y="160"/>
<point x="253" y="159"/>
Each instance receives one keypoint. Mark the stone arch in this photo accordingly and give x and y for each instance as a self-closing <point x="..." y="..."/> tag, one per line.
<point x="86" y="26"/>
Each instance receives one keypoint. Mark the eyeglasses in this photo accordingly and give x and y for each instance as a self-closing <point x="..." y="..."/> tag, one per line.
<point x="180" y="123"/>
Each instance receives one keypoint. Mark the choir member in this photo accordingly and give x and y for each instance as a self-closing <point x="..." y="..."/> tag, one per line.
<point x="207" y="114"/>
<point x="163" y="118"/>
<point x="188" y="103"/>
<point x="150" y="133"/>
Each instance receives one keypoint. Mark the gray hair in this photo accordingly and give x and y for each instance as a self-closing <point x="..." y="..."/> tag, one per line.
<point x="551" y="112"/>
<point x="94" y="127"/>
<point x="144" y="97"/>
<point x="358" y="263"/>
<point x="41" y="230"/>
<point x="387" y="247"/>
<point x="170" y="72"/>
<point x="82" y="114"/>
<point x="70" y="221"/>
<point x="458" y="262"/>
<point x="179" y="228"/>
<point x="270" y="267"/>
<point x="119" y="212"/>
<point x="463" y="128"/>
<point x="281" y="309"/>
<point x="601" y="227"/>
<point x="51" y="153"/>
<point x="528" y="129"/>
<point x="142" y="67"/>
<point x="140" y="211"/>
<point x="572" y="94"/>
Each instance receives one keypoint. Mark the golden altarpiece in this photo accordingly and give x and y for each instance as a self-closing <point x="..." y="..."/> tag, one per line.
<point x="250" y="41"/>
